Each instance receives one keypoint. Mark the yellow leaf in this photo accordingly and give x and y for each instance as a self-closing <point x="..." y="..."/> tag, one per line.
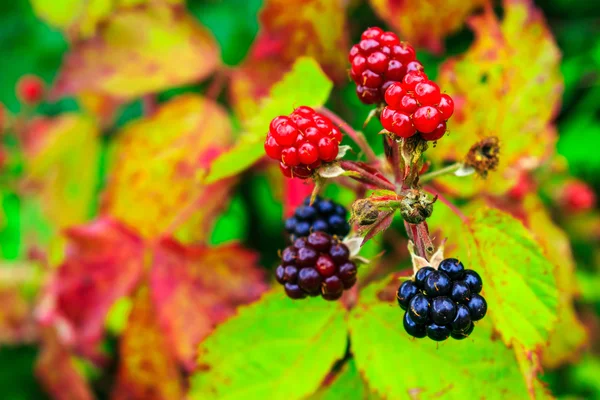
<point x="508" y="85"/>
<point x="80" y="18"/>
<point x="425" y="23"/>
<point x="139" y="51"/>
<point x="156" y="164"/>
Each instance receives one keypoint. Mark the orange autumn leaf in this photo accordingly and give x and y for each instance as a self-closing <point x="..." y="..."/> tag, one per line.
<point x="103" y="262"/>
<point x="507" y="85"/>
<point x="57" y="372"/>
<point x="139" y="50"/>
<point x="196" y="288"/>
<point x="425" y="23"/>
<point x="289" y="30"/>
<point x="157" y="166"/>
<point x="148" y="370"/>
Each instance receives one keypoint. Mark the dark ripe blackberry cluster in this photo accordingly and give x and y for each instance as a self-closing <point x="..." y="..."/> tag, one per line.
<point x="379" y="59"/>
<point x="316" y="265"/>
<point x="323" y="215"/>
<point x="443" y="302"/>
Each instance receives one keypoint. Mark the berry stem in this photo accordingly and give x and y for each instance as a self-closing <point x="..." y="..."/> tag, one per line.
<point x="367" y="176"/>
<point x="397" y="163"/>
<point x="447" y="202"/>
<point x="149" y="104"/>
<point x="356" y="136"/>
<point x="440" y="172"/>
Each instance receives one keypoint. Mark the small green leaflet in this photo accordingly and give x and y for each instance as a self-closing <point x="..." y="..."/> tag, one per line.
<point x="275" y="349"/>
<point x="397" y="366"/>
<point x="305" y="85"/>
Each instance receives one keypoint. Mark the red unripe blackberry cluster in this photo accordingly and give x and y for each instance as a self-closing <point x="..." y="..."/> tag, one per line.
<point x="302" y="141"/>
<point x="379" y="59"/>
<point x="314" y="265"/>
<point x="416" y="105"/>
<point x="30" y="89"/>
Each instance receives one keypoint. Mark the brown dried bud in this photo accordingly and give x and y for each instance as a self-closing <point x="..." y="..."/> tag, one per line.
<point x="416" y="206"/>
<point x="364" y="212"/>
<point x="484" y="156"/>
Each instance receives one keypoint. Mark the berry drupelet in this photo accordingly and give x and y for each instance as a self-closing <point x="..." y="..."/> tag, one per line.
<point x="442" y="303"/>
<point x="316" y="265"/>
<point x="302" y="141"/>
<point x="379" y="59"/>
<point x="416" y="105"/>
<point x="323" y="215"/>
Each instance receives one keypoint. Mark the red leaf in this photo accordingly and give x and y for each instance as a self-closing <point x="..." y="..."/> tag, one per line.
<point x="384" y="222"/>
<point x="195" y="288"/>
<point x="57" y="373"/>
<point x="148" y="369"/>
<point x="103" y="262"/>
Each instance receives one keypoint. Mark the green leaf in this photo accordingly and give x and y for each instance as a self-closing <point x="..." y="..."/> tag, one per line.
<point x="305" y="85"/>
<point x="518" y="280"/>
<point x="476" y="367"/>
<point x="347" y="385"/>
<point x="274" y="349"/>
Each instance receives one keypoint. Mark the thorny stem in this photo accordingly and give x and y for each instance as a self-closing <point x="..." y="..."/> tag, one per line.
<point x="367" y="176"/>
<point x="356" y="136"/>
<point x="396" y="161"/>
<point x="447" y="202"/>
<point x="443" y="171"/>
<point x="149" y="104"/>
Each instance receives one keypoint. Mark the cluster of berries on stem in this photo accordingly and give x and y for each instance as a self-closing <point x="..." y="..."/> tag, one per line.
<point x="442" y="302"/>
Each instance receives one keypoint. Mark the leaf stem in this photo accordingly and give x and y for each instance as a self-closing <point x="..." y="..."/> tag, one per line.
<point x="356" y="136"/>
<point x="443" y="171"/>
<point x="367" y="176"/>
<point x="447" y="202"/>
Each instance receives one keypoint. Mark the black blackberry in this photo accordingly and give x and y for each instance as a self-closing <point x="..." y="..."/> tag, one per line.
<point x="323" y="215"/>
<point x="439" y="303"/>
<point x="316" y="265"/>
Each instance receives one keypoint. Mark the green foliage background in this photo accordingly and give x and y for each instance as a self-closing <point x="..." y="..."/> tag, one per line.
<point x="28" y="45"/>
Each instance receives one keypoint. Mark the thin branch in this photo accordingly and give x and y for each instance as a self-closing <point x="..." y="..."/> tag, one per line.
<point x="440" y="172"/>
<point x="356" y="136"/>
<point x="367" y="176"/>
<point x="447" y="202"/>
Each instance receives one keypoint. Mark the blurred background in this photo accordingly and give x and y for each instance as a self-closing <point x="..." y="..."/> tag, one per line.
<point x="36" y="38"/>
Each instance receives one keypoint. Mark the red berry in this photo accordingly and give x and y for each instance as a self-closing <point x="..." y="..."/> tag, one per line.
<point x="285" y="132"/>
<point x="368" y="95"/>
<point x="285" y="170"/>
<point x="414" y="66"/>
<point x="395" y="71"/>
<point x="408" y="104"/>
<point x="437" y="133"/>
<point x="304" y="110"/>
<point x="404" y="53"/>
<point x="578" y="197"/>
<point x="446" y="106"/>
<point x="272" y="149"/>
<point x="387" y="118"/>
<point x="332" y="286"/>
<point x="328" y="149"/>
<point x="290" y="157"/>
<point x="308" y="153"/>
<point x="336" y="134"/>
<point x="372" y="33"/>
<point x="427" y="93"/>
<point x="377" y="60"/>
<point x="411" y="79"/>
<point x="426" y="119"/>
<point x="325" y="266"/>
<point x="393" y="95"/>
<point x="302" y="121"/>
<point x="30" y="89"/>
<point x="402" y="125"/>
<point x="389" y="39"/>
<point x="367" y="46"/>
